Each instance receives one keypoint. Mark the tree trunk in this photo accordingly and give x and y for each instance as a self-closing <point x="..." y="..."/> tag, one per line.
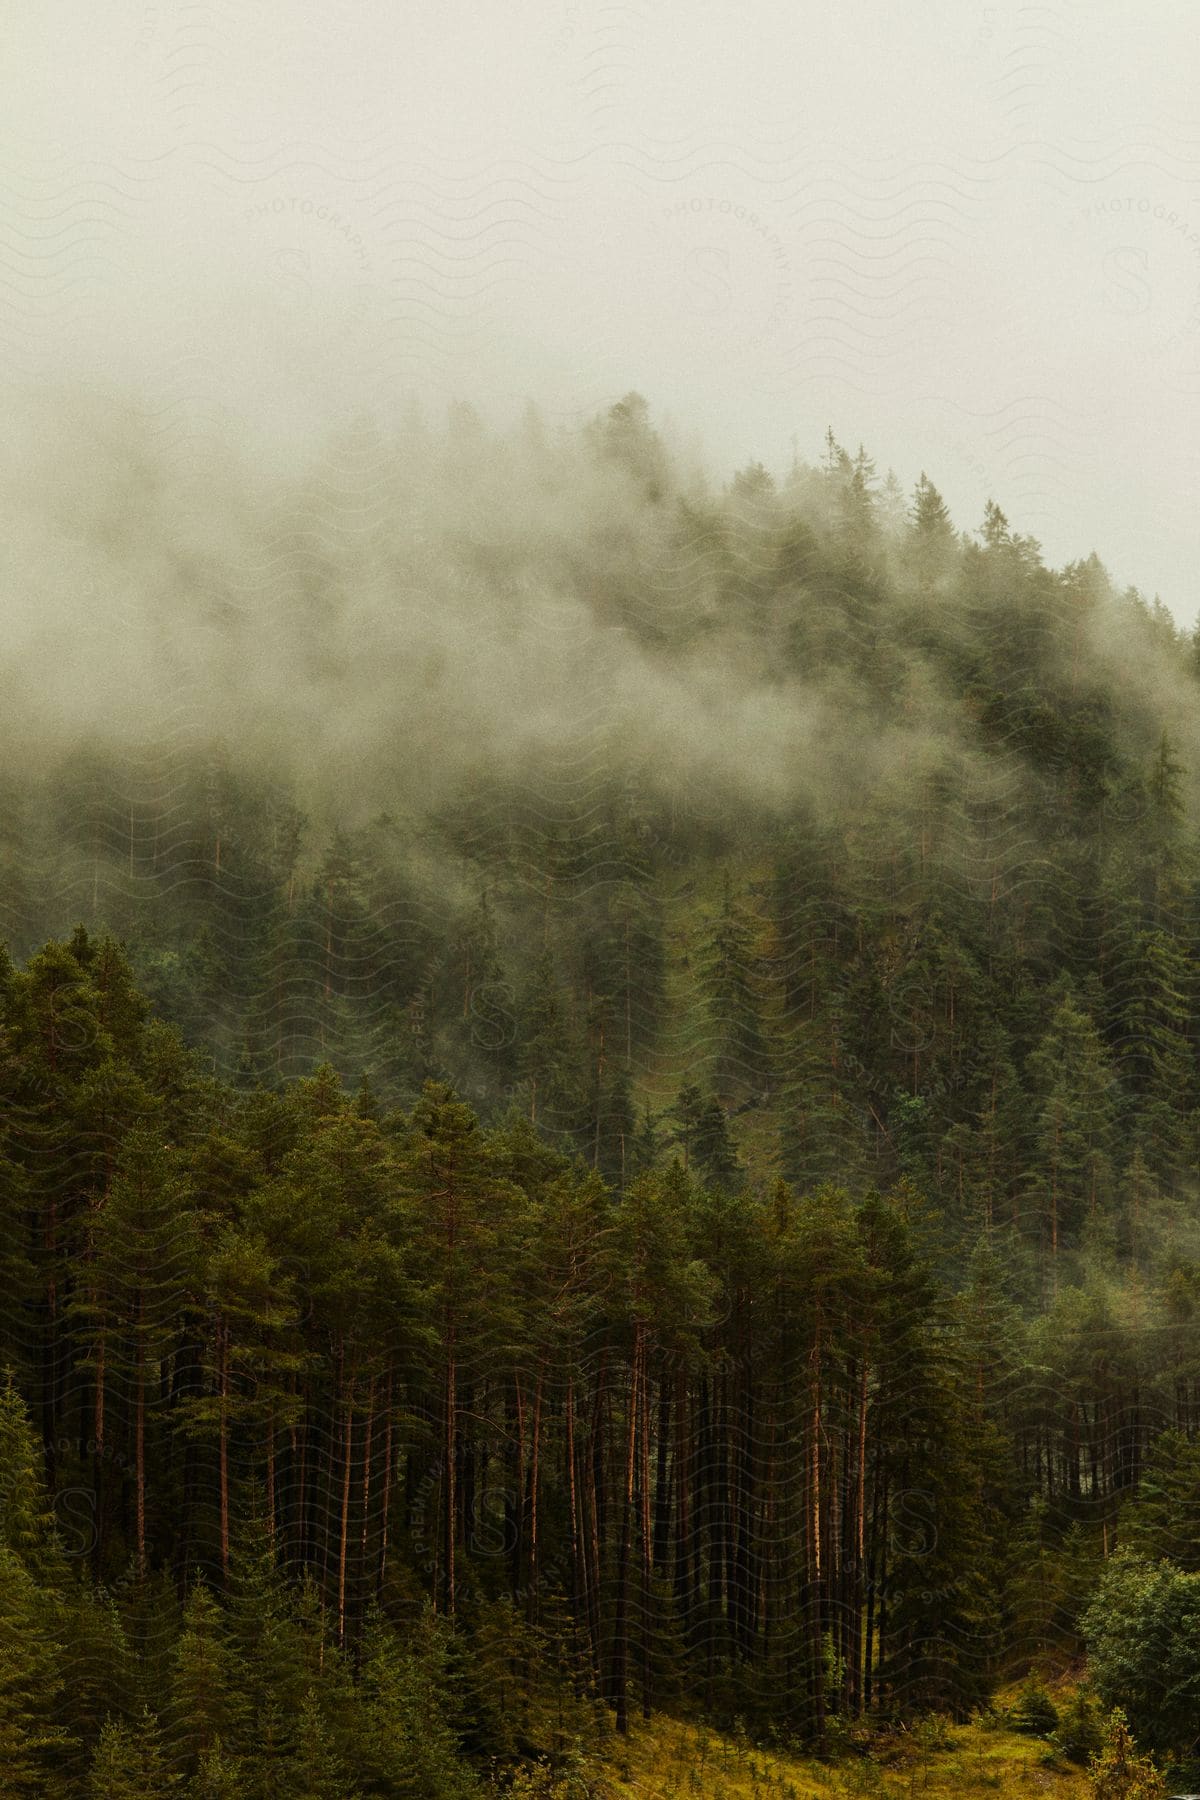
<point x="387" y="1486"/>
<point x="98" y="1457"/>
<point x="450" y="1436"/>
<point x="534" y="1476"/>
<point x="223" y="1443"/>
<point x="816" y="1586"/>
<point x="139" y="1449"/>
<point x="344" y="1532"/>
<point x="270" y="1434"/>
<point x="647" y="1604"/>
<point x="620" y="1651"/>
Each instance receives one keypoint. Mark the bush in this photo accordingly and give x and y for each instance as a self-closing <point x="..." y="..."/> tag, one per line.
<point x="1035" y="1712"/>
<point x="1080" y="1732"/>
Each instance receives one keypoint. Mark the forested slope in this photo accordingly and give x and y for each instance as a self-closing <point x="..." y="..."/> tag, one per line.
<point x="599" y="1111"/>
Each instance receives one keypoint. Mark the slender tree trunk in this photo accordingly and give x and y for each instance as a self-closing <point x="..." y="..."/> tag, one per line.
<point x="662" y="1481"/>
<point x="270" y="1433"/>
<point x="573" y="1504"/>
<point x="683" y="1519"/>
<point x="860" y="1535"/>
<point x="139" y="1441"/>
<point x="816" y="1586"/>
<point x="302" y="1547"/>
<point x="647" y="1602"/>
<point x="98" y="1456"/>
<point x="519" y="1491"/>
<point x="344" y="1532"/>
<point x="223" y="1442"/>
<point x="387" y="1486"/>
<point x="50" y="1344"/>
<point x="620" y="1652"/>
<point x="595" y="1512"/>
<point x="534" y="1478"/>
<point x="450" y="1451"/>
<point x="364" y="1534"/>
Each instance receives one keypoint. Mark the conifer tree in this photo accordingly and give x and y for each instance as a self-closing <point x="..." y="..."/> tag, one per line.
<point x="129" y="1763"/>
<point x="203" y="1705"/>
<point x="731" y="978"/>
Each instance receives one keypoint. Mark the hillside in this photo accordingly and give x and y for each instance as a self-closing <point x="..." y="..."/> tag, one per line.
<point x="599" y="1121"/>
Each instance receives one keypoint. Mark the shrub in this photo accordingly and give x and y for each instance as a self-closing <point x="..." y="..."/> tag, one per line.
<point x="1035" y="1712"/>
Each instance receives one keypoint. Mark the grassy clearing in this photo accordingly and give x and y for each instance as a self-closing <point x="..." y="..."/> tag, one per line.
<point x="670" y="1760"/>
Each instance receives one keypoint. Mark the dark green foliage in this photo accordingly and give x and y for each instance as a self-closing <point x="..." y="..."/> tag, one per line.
<point x="403" y="1383"/>
<point x="1143" y="1636"/>
<point x="129" y="1763"/>
<point x="1079" y="1733"/>
<point x="1034" y="1711"/>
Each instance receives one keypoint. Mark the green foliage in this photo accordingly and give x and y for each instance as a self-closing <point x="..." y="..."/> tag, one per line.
<point x="1118" y="1772"/>
<point x="1034" y="1711"/>
<point x="1160" y="1519"/>
<point x="33" y="1745"/>
<point x="1079" y="1733"/>
<point x="1143" y="1637"/>
<point x="129" y="1763"/>
<point x="397" y="1368"/>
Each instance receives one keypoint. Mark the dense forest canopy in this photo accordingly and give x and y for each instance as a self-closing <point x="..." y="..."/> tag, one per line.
<point x="598" y="1111"/>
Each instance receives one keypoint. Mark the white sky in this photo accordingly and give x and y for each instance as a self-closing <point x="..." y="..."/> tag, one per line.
<point x="967" y="235"/>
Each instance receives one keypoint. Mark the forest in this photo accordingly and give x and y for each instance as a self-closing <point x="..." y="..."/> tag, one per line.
<point x="599" y="1121"/>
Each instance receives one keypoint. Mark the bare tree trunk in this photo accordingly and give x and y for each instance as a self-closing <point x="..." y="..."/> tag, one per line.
<point x="223" y="1442"/>
<point x="140" y="1450"/>
<point x="620" y="1654"/>
<point x="364" y="1534"/>
<point x="816" y="1586"/>
<point x="98" y="1454"/>
<point x="347" y="1452"/>
<point x="387" y="1484"/>
<point x="271" y="1478"/>
<point x="646" y="1594"/>
<point x="451" y="1486"/>
<point x="534" y="1475"/>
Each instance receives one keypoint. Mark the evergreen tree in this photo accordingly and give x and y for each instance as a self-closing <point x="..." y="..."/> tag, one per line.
<point x="203" y="1704"/>
<point x="129" y="1763"/>
<point x="730" y="974"/>
<point x="1075" y="1088"/>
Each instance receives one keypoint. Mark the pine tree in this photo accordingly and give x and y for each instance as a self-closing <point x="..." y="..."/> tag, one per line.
<point x="1075" y="1089"/>
<point x="98" y="1666"/>
<point x="713" y="1151"/>
<point x="142" y="1254"/>
<point x="219" y="1777"/>
<point x="129" y="1763"/>
<point x="203" y="1703"/>
<point x="931" y="539"/>
<point x="731" y="979"/>
<point x="34" y="1747"/>
<point x="407" y="1744"/>
<point x="467" y="1212"/>
<point x="995" y="527"/>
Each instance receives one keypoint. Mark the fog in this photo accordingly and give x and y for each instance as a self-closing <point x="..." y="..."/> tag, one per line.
<point x="403" y="617"/>
<point x="966" y="235"/>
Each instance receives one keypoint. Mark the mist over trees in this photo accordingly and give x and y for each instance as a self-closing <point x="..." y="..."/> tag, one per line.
<point x="598" y="1109"/>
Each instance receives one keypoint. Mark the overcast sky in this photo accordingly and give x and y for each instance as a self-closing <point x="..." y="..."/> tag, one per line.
<point x="965" y="234"/>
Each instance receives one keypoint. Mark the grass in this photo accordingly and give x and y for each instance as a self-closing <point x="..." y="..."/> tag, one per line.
<point x="668" y="1759"/>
